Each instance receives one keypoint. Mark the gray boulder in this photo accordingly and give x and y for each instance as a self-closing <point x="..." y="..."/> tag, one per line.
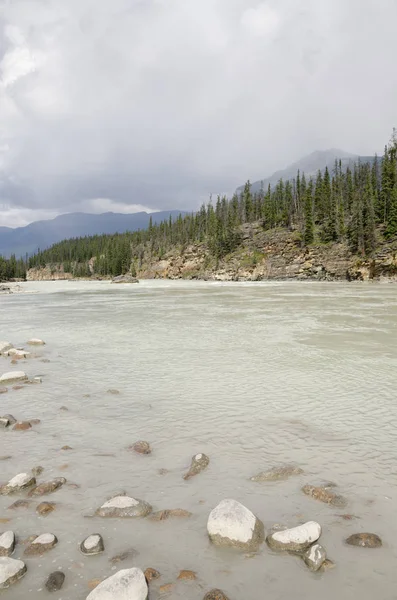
<point x="55" y="581"/>
<point x="125" y="507"/>
<point x="7" y="543"/>
<point x="93" y="544"/>
<point x="295" y="539"/>
<point x="17" y="483"/>
<point x="315" y="557"/>
<point x="41" y="544"/>
<point x="127" y="584"/>
<point x="125" y="279"/>
<point x="10" y="571"/>
<point x="232" y="524"/>
<point x="198" y="464"/>
<point x="13" y="377"/>
<point x="5" y="346"/>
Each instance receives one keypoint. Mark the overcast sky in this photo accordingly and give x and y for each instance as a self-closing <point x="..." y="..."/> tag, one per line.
<point x="124" y="104"/>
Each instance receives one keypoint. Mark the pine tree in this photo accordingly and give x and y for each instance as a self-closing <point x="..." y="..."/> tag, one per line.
<point x="309" y="225"/>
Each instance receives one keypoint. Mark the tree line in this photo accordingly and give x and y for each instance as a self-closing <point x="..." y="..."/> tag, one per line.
<point x="357" y="206"/>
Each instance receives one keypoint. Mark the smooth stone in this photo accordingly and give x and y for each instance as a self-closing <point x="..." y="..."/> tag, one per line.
<point x="4" y="422"/>
<point x="324" y="494"/>
<point x="127" y="584"/>
<point x="55" y="581"/>
<point x="315" y="557"/>
<point x="364" y="540"/>
<point x="19" y="504"/>
<point x="163" y="515"/>
<point x="296" y="539"/>
<point x="22" y="426"/>
<point x="45" y="508"/>
<point x="198" y="464"/>
<point x="7" y="543"/>
<point x="93" y="544"/>
<point x="187" y="575"/>
<point x="151" y="574"/>
<point x="124" y="506"/>
<point x="215" y="595"/>
<point x="232" y="524"/>
<point x="5" y="346"/>
<point x="141" y="447"/>
<point x="17" y="483"/>
<point x="277" y="473"/>
<point x="11" y="571"/>
<point x="13" y="376"/>
<point x="11" y="419"/>
<point x="47" y="487"/>
<point x="42" y="543"/>
<point x="35" y="342"/>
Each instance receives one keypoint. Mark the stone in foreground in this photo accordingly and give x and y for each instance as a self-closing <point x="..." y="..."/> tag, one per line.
<point x="127" y="584"/>
<point x="277" y="473"/>
<point x="198" y="464"/>
<point x="232" y="524"/>
<point x="324" y="494"/>
<point x="93" y="544"/>
<point x="55" y="581"/>
<point x="47" y="487"/>
<point x="12" y="377"/>
<point x="7" y="543"/>
<point x="215" y="595"/>
<point x="124" y="507"/>
<point x="43" y="543"/>
<point x="364" y="540"/>
<point x="18" y="483"/>
<point x="295" y="539"/>
<point x="36" y="342"/>
<point x="10" y="571"/>
<point x="315" y="557"/>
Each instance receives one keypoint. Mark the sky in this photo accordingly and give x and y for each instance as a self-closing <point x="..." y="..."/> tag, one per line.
<point x="128" y="105"/>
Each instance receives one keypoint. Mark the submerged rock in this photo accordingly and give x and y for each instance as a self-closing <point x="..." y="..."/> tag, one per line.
<point x="126" y="555"/>
<point x="198" y="464"/>
<point x="315" y="557"/>
<point x="163" y="515"/>
<point x="277" y="473"/>
<point x="12" y="420"/>
<point x="187" y="575"/>
<point x="141" y="447"/>
<point x="93" y="544"/>
<point x="12" y="377"/>
<point x="151" y="574"/>
<point x="45" y="508"/>
<point x="18" y="483"/>
<point x="36" y="471"/>
<point x="364" y="540"/>
<point x="22" y="426"/>
<point x="125" y="507"/>
<point x="47" y="487"/>
<point x="232" y="524"/>
<point x="11" y="571"/>
<point x="127" y="584"/>
<point x="215" y="595"/>
<point x="19" y="504"/>
<point x="7" y="543"/>
<point x="295" y="539"/>
<point x="324" y="494"/>
<point x="55" y="581"/>
<point x="125" y="279"/>
<point x="41" y="544"/>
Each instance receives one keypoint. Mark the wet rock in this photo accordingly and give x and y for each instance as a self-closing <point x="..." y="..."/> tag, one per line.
<point x="163" y="515"/>
<point x="198" y="464"/>
<point x="55" y="581"/>
<point x="11" y="571"/>
<point x="324" y="494"/>
<point x="215" y="595"/>
<point x="12" y="377"/>
<point x="3" y="390"/>
<point x="4" y="423"/>
<point x="364" y="540"/>
<point x="36" y="471"/>
<point x="126" y="555"/>
<point x="5" y="347"/>
<point x="17" y="354"/>
<point x="327" y="565"/>
<point x="35" y="342"/>
<point x="41" y="544"/>
<point x="17" y="387"/>
<point x="141" y="447"/>
<point x="10" y="418"/>
<point x="187" y="575"/>
<point x="232" y="524"/>
<point x="93" y="583"/>
<point x="47" y="487"/>
<point x="151" y="574"/>
<point x="66" y="448"/>
<point x="22" y="426"/>
<point x="166" y="588"/>
<point x="34" y="421"/>
<point x="277" y="473"/>
<point x="125" y="507"/>
<point x="125" y="279"/>
<point x="347" y="517"/>
<point x="45" y="508"/>
<point x="295" y="539"/>
<point x="18" y="483"/>
<point x="114" y="392"/>
<point x="7" y="543"/>
<point x="315" y="557"/>
<point x="127" y="584"/>
<point x="19" y="504"/>
<point x="93" y="544"/>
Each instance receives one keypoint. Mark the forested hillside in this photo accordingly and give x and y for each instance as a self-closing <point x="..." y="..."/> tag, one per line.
<point x="357" y="207"/>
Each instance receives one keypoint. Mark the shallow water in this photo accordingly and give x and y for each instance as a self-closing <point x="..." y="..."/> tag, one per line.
<point x="254" y="375"/>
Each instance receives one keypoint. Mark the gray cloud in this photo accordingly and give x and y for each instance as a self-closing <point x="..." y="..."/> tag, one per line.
<point x="159" y="103"/>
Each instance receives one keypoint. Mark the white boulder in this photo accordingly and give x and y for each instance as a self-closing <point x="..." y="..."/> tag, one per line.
<point x="10" y="571"/>
<point x="13" y="377"/>
<point x="17" y="483"/>
<point x="36" y="342"/>
<point x="124" y="506"/>
<point x="7" y="543"/>
<point x="127" y="584"/>
<point x="232" y="524"/>
<point x="295" y="539"/>
<point x="5" y="346"/>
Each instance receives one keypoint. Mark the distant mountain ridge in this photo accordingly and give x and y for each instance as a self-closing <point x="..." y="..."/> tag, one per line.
<point x="42" y="234"/>
<point x="310" y="165"/>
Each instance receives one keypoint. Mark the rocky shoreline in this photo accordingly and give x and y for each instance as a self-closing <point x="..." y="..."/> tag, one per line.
<point x="230" y="523"/>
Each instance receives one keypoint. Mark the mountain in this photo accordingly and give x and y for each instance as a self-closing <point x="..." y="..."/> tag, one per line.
<point x="309" y="165"/>
<point x="42" y="234"/>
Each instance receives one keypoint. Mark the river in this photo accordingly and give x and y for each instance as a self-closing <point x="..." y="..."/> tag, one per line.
<point x="255" y="375"/>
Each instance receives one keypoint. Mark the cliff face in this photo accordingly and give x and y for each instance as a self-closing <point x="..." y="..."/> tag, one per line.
<point x="276" y="254"/>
